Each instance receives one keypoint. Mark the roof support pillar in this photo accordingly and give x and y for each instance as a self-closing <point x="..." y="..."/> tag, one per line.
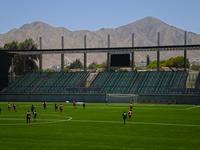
<point x="158" y="52"/>
<point x="185" y="52"/>
<point x="108" y="54"/>
<point x="133" y="54"/>
<point x="40" y="56"/>
<point x="62" y="54"/>
<point x="85" y="54"/>
<point x="12" y="69"/>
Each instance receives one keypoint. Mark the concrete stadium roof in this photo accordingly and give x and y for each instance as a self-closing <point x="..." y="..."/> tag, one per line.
<point x="105" y="50"/>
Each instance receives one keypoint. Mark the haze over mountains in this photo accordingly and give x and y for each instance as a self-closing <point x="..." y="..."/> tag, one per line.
<point x="145" y="31"/>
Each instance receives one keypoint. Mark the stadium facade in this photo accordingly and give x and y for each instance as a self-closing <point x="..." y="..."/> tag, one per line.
<point x="142" y="87"/>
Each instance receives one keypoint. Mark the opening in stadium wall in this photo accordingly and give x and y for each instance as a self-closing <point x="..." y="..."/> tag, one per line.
<point x="120" y="60"/>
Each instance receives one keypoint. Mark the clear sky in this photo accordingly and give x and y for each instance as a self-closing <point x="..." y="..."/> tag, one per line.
<point x="96" y="14"/>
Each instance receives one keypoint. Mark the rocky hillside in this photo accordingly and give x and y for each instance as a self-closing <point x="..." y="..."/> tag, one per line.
<point x="145" y="31"/>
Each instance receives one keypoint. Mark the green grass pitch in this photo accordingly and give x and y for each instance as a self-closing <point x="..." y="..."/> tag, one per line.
<point x="100" y="127"/>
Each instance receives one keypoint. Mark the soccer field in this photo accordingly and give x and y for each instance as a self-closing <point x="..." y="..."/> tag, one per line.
<point x="100" y="127"/>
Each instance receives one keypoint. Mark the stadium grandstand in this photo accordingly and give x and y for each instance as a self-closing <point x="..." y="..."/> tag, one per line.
<point x="149" y="86"/>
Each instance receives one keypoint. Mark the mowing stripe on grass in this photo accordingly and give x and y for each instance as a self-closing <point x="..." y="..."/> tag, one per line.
<point x="141" y="123"/>
<point x="192" y="107"/>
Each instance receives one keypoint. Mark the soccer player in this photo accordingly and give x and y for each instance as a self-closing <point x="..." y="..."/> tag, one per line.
<point x="14" y="107"/>
<point x="61" y="107"/>
<point x="28" y="117"/>
<point x="32" y="108"/>
<point x="44" y="105"/>
<point x="131" y="106"/>
<point x="56" y="107"/>
<point x="83" y="105"/>
<point x="0" y="110"/>
<point x="34" y="115"/>
<point x="106" y="101"/>
<point x="130" y="114"/>
<point x="124" y="115"/>
<point x="74" y="104"/>
<point x="9" y="107"/>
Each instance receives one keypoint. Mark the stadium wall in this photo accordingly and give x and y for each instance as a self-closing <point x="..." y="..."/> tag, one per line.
<point x="178" y="99"/>
<point x="52" y="97"/>
<point x="100" y="98"/>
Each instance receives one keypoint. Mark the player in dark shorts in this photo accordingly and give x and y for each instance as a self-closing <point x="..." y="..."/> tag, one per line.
<point x="130" y="114"/>
<point x="124" y="115"/>
<point x="131" y="106"/>
<point x="83" y="105"/>
<point x="0" y="110"/>
<point x="34" y="115"/>
<point x="9" y="107"/>
<point x="32" y="108"/>
<point x="14" y="107"/>
<point x="56" y="107"/>
<point x="28" y="117"/>
<point x="61" y="107"/>
<point x="44" y="105"/>
<point x="106" y="101"/>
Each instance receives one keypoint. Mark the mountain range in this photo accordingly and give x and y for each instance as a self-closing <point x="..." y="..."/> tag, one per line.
<point x="145" y="31"/>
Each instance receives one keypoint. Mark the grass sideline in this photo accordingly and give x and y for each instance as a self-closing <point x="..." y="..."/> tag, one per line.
<point x="100" y="127"/>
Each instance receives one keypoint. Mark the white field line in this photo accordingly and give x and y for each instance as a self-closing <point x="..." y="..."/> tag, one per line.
<point x="14" y="119"/>
<point x="189" y="108"/>
<point x="46" y="121"/>
<point x="136" y="108"/>
<point x="140" y="123"/>
<point x="161" y="108"/>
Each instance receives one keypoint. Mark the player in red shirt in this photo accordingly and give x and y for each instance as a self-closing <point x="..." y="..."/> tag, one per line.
<point x="74" y="104"/>
<point x="130" y="114"/>
<point x="131" y="106"/>
<point x="61" y="107"/>
<point x="9" y="107"/>
<point x="28" y="116"/>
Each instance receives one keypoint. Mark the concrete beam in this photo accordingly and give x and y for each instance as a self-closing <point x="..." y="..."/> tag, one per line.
<point x="185" y="52"/>
<point x="133" y="53"/>
<point x="85" y="54"/>
<point x="158" y="52"/>
<point x="62" y="55"/>
<point x="108" y="53"/>
<point x="40" y="56"/>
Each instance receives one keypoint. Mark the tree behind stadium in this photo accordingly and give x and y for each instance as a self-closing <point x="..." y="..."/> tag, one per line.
<point x="76" y="64"/>
<point x="177" y="62"/>
<point x="22" y="63"/>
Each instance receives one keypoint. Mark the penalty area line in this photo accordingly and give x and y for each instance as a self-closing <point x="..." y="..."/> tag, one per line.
<point x="140" y="123"/>
<point x="47" y="121"/>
